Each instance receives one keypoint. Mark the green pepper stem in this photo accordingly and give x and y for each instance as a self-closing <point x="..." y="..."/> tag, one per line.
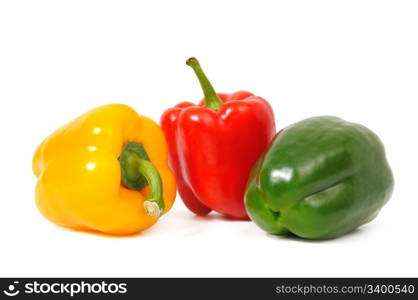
<point x="154" y="203"/>
<point x="211" y="98"/>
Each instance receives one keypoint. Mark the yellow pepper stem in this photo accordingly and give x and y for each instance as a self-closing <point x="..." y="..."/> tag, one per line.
<point x="138" y="172"/>
<point x="154" y="204"/>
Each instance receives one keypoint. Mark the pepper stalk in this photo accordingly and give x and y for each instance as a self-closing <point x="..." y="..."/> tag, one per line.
<point x="138" y="172"/>
<point x="211" y="98"/>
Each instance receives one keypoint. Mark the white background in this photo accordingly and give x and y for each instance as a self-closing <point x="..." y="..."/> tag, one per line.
<point x="354" y="59"/>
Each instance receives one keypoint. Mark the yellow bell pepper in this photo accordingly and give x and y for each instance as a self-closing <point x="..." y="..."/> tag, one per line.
<point x="106" y="171"/>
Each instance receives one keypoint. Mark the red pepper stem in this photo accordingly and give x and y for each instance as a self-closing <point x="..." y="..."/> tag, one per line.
<point x="211" y="98"/>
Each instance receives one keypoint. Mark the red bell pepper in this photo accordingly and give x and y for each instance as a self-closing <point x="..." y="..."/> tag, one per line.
<point x="214" y="145"/>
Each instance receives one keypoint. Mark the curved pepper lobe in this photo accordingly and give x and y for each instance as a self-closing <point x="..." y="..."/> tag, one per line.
<point x="169" y="126"/>
<point x="300" y="162"/>
<point x="257" y="209"/>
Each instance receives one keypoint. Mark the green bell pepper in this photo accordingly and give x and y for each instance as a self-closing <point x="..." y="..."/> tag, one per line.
<point x="320" y="178"/>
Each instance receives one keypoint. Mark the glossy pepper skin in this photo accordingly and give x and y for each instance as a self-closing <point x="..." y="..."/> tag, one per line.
<point x="106" y="171"/>
<point x="214" y="145"/>
<point x="321" y="177"/>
